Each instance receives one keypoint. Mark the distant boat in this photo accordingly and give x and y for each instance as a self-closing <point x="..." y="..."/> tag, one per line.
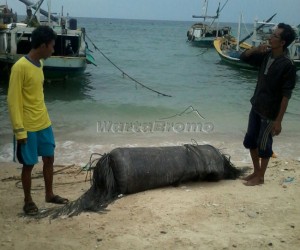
<point x="202" y="34"/>
<point x="71" y="54"/>
<point x="230" y="48"/>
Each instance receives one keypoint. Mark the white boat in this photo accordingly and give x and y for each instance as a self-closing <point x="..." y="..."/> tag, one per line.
<point x="71" y="54"/>
<point x="202" y="34"/>
<point x="294" y="50"/>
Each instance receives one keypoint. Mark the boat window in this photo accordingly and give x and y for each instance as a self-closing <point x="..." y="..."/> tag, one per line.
<point x="67" y="46"/>
<point x="23" y="44"/>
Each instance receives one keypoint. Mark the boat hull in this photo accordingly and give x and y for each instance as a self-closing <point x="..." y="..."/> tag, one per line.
<point x="55" y="67"/>
<point x="203" y="35"/>
<point x="205" y="43"/>
<point x="229" y="57"/>
<point x="64" y="67"/>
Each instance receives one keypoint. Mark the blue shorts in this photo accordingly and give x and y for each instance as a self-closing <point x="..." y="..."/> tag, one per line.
<point x="39" y="143"/>
<point x="259" y="134"/>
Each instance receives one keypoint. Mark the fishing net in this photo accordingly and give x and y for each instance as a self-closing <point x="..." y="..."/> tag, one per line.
<point x="131" y="170"/>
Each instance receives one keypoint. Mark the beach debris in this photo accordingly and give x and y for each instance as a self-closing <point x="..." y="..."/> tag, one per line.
<point x="131" y="170"/>
<point x="252" y="214"/>
<point x="286" y="181"/>
<point x="289" y="179"/>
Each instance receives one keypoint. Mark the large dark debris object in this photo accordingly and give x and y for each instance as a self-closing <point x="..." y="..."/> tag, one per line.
<point x="131" y="170"/>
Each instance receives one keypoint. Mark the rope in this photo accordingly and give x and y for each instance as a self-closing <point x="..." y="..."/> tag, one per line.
<point x="18" y="184"/>
<point x="243" y="21"/>
<point x="90" y="165"/>
<point x="123" y="72"/>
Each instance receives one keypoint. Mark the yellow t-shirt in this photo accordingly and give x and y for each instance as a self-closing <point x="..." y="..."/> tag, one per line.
<point x="25" y="98"/>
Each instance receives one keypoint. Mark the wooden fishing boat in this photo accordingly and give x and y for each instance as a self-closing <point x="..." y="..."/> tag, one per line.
<point x="71" y="54"/>
<point x="229" y="52"/>
<point x="202" y="34"/>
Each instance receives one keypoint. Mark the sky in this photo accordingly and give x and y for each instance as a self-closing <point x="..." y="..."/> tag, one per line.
<point x="180" y="10"/>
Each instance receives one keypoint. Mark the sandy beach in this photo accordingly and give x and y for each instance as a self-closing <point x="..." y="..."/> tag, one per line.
<point x="201" y="215"/>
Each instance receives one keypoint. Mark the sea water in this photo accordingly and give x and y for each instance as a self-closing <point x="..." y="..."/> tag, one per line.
<point x="104" y="108"/>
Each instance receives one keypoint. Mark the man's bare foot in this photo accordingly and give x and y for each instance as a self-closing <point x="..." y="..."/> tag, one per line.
<point x="254" y="181"/>
<point x="249" y="177"/>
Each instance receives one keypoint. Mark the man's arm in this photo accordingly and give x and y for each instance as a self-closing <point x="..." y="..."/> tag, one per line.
<point x="15" y="104"/>
<point x="277" y="123"/>
<point x="255" y="55"/>
<point x="288" y="86"/>
<point x="256" y="50"/>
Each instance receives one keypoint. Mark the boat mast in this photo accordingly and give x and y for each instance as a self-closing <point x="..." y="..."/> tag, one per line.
<point x="49" y="11"/>
<point x="239" y="33"/>
<point x="218" y="11"/>
<point x="254" y="37"/>
<point x="205" y="7"/>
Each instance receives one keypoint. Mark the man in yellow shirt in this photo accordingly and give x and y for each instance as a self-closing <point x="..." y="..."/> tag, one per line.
<point x="29" y="116"/>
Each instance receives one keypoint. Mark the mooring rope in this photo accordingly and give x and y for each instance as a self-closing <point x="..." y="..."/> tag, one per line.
<point x="123" y="72"/>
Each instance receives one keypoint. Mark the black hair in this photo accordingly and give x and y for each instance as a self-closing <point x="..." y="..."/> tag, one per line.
<point x="41" y="35"/>
<point x="288" y="34"/>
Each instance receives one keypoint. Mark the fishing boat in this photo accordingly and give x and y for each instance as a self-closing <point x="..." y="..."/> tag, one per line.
<point x="229" y="48"/>
<point x="71" y="54"/>
<point x="226" y="48"/>
<point x="229" y="51"/>
<point x="202" y="34"/>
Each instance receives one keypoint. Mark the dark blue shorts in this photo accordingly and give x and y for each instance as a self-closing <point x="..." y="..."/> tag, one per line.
<point x="259" y="134"/>
<point x="39" y="143"/>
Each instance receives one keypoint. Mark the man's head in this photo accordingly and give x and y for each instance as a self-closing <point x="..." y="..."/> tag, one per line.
<point x="283" y="36"/>
<point x="43" y="39"/>
<point x="29" y="11"/>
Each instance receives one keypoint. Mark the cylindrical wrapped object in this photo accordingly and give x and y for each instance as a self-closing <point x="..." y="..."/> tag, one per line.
<point x="139" y="169"/>
<point x="132" y="170"/>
